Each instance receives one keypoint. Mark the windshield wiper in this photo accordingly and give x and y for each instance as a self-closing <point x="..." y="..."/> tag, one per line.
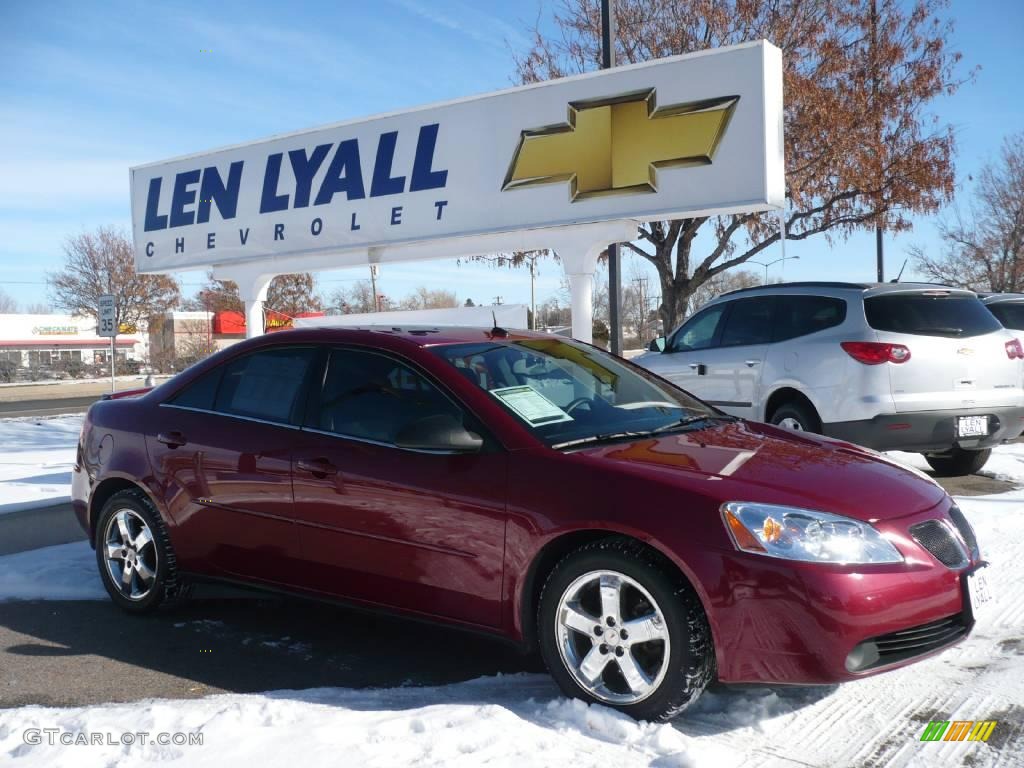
<point x="688" y="420"/>
<point x="625" y="435"/>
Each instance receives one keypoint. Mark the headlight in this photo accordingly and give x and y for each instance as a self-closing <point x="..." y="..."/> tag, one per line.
<point x="803" y="534"/>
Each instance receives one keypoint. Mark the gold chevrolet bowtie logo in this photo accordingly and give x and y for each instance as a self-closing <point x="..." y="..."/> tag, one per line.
<point x="614" y="146"/>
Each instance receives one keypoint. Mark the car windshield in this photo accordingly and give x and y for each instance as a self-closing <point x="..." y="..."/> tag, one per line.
<point x="1009" y="313"/>
<point x="570" y="394"/>
<point x="936" y="313"/>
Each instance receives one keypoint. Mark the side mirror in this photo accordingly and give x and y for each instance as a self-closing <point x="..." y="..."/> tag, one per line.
<point x="657" y="345"/>
<point x="441" y="432"/>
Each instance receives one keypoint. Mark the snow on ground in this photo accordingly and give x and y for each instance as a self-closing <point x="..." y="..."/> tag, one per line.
<point x="521" y="720"/>
<point x="36" y="457"/>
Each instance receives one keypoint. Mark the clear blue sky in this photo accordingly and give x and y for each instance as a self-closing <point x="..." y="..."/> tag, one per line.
<point x="88" y="90"/>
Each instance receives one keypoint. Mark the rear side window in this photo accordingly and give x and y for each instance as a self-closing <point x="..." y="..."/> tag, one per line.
<point x="802" y="315"/>
<point x="265" y="384"/>
<point x="951" y="315"/>
<point x="1010" y="314"/>
<point x="749" y="322"/>
<point x="201" y="392"/>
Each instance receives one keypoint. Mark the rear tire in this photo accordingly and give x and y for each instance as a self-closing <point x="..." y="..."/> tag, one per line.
<point x="668" y="671"/>
<point x="797" y="416"/>
<point x="134" y="554"/>
<point x="958" y="461"/>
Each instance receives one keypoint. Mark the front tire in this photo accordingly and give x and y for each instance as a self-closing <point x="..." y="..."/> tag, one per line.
<point x="958" y="461"/>
<point x="134" y="554"/>
<point x="621" y="628"/>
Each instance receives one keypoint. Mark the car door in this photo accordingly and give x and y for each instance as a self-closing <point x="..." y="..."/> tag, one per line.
<point x="684" y="360"/>
<point x="221" y="451"/>
<point x="732" y="367"/>
<point x="415" y="530"/>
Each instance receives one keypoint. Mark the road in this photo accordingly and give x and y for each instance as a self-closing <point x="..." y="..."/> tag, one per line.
<point x="45" y="407"/>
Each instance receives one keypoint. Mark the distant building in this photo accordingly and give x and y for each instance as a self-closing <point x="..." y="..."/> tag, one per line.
<point x="49" y="346"/>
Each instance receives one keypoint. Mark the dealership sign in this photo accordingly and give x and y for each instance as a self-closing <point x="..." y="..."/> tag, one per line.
<point x="684" y="136"/>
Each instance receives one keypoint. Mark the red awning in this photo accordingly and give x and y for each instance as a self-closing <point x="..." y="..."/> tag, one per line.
<point x="77" y="343"/>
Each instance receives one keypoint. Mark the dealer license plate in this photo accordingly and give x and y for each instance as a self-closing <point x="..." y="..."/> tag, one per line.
<point x="971" y="426"/>
<point x="980" y="593"/>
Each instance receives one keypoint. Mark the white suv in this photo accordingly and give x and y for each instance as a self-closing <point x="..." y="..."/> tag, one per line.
<point x="1008" y="309"/>
<point x="914" y="367"/>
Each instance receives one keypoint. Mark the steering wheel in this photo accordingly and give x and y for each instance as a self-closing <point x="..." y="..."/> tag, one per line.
<point x="576" y="403"/>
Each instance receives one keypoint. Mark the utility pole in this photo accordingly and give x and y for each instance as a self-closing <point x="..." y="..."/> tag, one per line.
<point x="373" y="286"/>
<point x="497" y="301"/>
<point x="614" y="261"/>
<point x="879" y="253"/>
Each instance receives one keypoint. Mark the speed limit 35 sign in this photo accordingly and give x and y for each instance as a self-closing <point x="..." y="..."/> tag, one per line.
<point x="107" y="317"/>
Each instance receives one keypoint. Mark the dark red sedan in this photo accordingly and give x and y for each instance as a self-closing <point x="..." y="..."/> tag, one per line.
<point x="531" y="487"/>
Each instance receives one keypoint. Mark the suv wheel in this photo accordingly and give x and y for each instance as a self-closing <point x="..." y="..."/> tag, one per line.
<point x="958" y="461"/>
<point x="619" y="628"/>
<point x="796" y="416"/>
<point x="134" y="555"/>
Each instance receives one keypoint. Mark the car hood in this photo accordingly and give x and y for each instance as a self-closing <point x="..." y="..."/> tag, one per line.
<point x="757" y="462"/>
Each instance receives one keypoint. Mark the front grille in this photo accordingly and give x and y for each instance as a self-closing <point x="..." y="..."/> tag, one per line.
<point x="938" y="539"/>
<point x="906" y="643"/>
<point x="966" y="532"/>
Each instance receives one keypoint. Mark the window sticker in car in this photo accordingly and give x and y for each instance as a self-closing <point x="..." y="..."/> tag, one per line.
<point x="530" y="405"/>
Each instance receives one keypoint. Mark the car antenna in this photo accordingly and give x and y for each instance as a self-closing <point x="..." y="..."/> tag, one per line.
<point x="897" y="278"/>
<point x="497" y="330"/>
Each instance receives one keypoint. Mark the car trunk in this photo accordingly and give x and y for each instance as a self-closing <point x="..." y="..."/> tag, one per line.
<point x="958" y="357"/>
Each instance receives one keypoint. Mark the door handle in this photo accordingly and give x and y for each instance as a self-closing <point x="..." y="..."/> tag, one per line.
<point x="172" y="439"/>
<point x="751" y="363"/>
<point x="700" y="368"/>
<point x="317" y="467"/>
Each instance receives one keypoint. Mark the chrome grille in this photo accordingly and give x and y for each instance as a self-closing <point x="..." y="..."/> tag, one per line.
<point x="907" y="643"/>
<point x="937" y="538"/>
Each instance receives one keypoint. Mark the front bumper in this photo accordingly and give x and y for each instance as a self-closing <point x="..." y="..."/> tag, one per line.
<point x="928" y="431"/>
<point x="806" y="624"/>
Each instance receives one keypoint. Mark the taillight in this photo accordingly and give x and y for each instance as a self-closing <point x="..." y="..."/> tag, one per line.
<point x="876" y="352"/>
<point x="1014" y="350"/>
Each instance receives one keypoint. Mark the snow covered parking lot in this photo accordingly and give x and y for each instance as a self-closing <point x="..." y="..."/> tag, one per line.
<point x="521" y="720"/>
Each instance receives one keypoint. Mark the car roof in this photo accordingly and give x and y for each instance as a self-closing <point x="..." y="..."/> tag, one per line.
<point x="863" y="289"/>
<point x="418" y="335"/>
<point x="1000" y="298"/>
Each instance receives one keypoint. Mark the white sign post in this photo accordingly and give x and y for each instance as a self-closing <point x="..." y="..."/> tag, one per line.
<point x="107" y="326"/>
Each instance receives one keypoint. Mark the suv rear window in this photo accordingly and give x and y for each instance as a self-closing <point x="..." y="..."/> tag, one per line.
<point x="1010" y="314"/>
<point x="954" y="316"/>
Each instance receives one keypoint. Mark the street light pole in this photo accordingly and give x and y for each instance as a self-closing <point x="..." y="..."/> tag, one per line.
<point x="614" y="258"/>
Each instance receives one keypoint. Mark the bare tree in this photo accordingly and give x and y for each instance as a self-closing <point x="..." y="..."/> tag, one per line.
<point x="103" y="262"/>
<point x="8" y="305"/>
<point x="721" y="283"/>
<point x="984" y="249"/>
<point x="38" y="308"/>
<point x="290" y="294"/>
<point x="861" y="149"/>
<point x="358" y="298"/>
<point x="425" y="298"/>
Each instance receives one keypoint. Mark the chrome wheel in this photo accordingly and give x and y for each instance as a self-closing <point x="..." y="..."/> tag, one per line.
<point x="131" y="555"/>
<point x="612" y="637"/>
<point x="790" y="423"/>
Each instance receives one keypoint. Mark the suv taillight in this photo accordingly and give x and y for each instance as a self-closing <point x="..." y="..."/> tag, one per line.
<point x="876" y="352"/>
<point x="1014" y="350"/>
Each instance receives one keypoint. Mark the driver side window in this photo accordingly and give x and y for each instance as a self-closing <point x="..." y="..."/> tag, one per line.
<point x="372" y="396"/>
<point x="701" y="331"/>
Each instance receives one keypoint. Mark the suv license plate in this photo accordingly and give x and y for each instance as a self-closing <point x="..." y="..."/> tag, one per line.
<point x="980" y="593"/>
<point x="971" y="426"/>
